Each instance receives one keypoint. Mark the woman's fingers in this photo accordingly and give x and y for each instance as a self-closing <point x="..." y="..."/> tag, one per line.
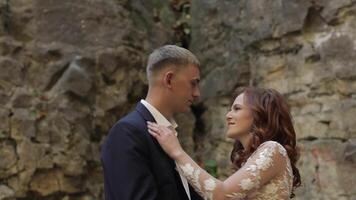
<point x="158" y="129"/>
<point x="152" y="124"/>
<point x="156" y="126"/>
<point x="153" y="133"/>
<point x="153" y="128"/>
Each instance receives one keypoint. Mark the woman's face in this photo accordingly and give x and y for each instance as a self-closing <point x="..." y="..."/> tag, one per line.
<point x="239" y="119"/>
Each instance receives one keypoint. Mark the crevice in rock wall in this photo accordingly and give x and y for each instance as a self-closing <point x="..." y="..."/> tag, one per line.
<point x="181" y="28"/>
<point x="274" y="46"/>
<point x="313" y="18"/>
<point x="10" y="115"/>
<point x="107" y="80"/>
<point x="56" y="77"/>
<point x="312" y="59"/>
<point x="342" y="13"/>
<point x="182" y="37"/>
<point x="36" y="196"/>
<point x="348" y="11"/>
<point x="199" y="127"/>
<point x="314" y="13"/>
<point x="5" y="15"/>
<point x="55" y="196"/>
<point x="312" y="138"/>
<point x="136" y="93"/>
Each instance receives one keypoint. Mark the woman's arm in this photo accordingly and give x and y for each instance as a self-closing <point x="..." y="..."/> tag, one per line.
<point x="268" y="160"/>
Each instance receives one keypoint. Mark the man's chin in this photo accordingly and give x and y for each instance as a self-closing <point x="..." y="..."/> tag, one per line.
<point x="185" y="110"/>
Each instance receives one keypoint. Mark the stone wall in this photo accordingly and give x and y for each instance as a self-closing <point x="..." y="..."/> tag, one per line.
<point x="69" y="70"/>
<point x="304" y="49"/>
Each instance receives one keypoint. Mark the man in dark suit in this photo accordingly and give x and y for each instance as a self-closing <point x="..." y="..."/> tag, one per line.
<point x="135" y="166"/>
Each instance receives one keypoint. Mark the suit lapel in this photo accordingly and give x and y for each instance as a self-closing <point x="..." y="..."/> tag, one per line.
<point x="145" y="113"/>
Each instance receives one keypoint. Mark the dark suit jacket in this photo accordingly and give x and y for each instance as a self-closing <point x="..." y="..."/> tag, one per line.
<point x="135" y="166"/>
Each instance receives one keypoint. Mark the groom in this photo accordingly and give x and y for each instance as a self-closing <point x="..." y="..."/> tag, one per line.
<point x="135" y="166"/>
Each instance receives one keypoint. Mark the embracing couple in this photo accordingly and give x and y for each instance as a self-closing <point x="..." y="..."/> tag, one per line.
<point x="143" y="159"/>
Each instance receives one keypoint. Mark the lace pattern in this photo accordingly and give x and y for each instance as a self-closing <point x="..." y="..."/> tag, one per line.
<point x="192" y="175"/>
<point x="267" y="174"/>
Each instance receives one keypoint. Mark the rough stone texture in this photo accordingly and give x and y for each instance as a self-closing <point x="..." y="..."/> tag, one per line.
<point x="5" y="192"/>
<point x="69" y="70"/>
<point x="304" y="49"/>
<point x="326" y="172"/>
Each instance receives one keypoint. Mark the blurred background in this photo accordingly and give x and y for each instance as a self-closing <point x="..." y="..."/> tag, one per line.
<point x="70" y="69"/>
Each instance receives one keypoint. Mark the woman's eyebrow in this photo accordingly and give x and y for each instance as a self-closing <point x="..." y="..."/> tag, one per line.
<point x="236" y="105"/>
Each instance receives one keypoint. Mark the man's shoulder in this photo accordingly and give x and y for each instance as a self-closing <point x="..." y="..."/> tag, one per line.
<point x="130" y="128"/>
<point x="132" y="120"/>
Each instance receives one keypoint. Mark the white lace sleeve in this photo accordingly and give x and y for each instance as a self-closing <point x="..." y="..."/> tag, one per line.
<point x="268" y="160"/>
<point x="203" y="183"/>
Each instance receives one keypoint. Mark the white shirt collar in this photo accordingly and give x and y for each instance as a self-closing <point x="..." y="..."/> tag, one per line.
<point x="160" y="119"/>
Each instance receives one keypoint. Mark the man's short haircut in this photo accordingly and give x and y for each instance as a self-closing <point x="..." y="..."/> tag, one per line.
<point x="169" y="55"/>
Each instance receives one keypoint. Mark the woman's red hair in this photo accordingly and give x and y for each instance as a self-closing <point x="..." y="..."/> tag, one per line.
<point x="271" y="121"/>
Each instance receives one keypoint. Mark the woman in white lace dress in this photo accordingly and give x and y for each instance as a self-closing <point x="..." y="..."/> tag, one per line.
<point x="265" y="152"/>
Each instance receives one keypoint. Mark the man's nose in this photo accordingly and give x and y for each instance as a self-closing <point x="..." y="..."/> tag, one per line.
<point x="196" y="94"/>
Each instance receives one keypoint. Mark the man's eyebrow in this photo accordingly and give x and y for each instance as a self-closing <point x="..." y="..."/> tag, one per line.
<point x="197" y="80"/>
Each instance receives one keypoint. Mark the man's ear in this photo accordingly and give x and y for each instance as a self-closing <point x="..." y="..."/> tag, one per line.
<point x="167" y="79"/>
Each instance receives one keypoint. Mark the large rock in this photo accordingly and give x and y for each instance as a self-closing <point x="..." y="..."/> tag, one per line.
<point x="11" y="76"/>
<point x="11" y="71"/>
<point x="222" y="81"/>
<point x="20" y="183"/>
<point x="54" y="131"/>
<point x="9" y="46"/>
<point x="70" y="22"/>
<point x="49" y="182"/>
<point x="8" y="159"/>
<point x="5" y="192"/>
<point x="121" y="23"/>
<point x="326" y="173"/>
<point x="77" y="78"/>
<point x="222" y="30"/>
<point x="32" y="155"/>
<point x="23" y="124"/>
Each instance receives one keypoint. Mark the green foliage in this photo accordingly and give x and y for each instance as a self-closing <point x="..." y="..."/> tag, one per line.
<point x="211" y="167"/>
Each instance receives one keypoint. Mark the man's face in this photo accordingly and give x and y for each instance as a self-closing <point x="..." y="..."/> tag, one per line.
<point x="185" y="88"/>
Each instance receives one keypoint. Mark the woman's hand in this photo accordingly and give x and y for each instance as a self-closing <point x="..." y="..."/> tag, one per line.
<point x="166" y="138"/>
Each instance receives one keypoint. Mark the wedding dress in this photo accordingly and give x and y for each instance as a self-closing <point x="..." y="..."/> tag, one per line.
<point x="266" y="175"/>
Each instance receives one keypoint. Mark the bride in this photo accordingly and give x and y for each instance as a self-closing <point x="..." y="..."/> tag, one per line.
<point x="264" y="154"/>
